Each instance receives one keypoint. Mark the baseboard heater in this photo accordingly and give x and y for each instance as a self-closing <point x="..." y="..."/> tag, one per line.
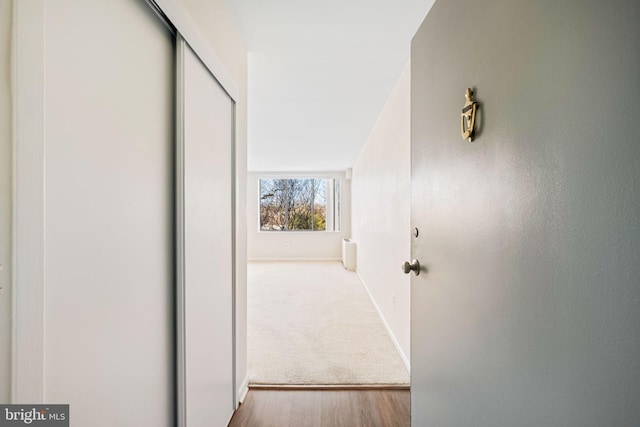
<point x="349" y="254"/>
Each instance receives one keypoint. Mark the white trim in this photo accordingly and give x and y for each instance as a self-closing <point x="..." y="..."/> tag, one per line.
<point x="293" y="175"/>
<point x="243" y="390"/>
<point x="294" y="259"/>
<point x="28" y="325"/>
<point x="181" y="387"/>
<point x="288" y="232"/>
<point x="404" y="358"/>
<point x="234" y="248"/>
<point x="189" y="30"/>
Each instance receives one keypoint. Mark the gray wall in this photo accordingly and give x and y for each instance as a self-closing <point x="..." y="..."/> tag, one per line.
<point x="533" y="229"/>
<point x="5" y="200"/>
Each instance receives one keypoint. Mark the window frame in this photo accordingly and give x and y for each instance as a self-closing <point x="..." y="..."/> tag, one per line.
<point x="324" y="175"/>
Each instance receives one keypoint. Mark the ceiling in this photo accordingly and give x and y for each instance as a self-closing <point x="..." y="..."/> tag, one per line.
<point x="320" y="73"/>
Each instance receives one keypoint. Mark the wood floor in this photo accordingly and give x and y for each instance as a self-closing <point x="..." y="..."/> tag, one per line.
<point x="324" y="408"/>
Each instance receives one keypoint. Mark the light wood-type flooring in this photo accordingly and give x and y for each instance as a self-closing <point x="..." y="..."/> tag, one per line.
<point x="324" y="408"/>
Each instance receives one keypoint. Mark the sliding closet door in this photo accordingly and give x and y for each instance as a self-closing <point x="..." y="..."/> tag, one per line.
<point x="109" y="213"/>
<point x="207" y="203"/>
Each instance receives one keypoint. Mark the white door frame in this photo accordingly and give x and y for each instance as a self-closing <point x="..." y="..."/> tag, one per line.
<point x="29" y="88"/>
<point x="27" y="350"/>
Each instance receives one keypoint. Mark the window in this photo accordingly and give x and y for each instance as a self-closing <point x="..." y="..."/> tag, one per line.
<point x="299" y="204"/>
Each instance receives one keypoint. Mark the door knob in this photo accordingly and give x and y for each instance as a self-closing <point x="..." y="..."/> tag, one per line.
<point x="414" y="266"/>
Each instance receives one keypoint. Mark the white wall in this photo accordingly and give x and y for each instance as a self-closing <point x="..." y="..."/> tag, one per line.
<point x="381" y="211"/>
<point x="5" y="200"/>
<point x="292" y="244"/>
<point x="219" y="29"/>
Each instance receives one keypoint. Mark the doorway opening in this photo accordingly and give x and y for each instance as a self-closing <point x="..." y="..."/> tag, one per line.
<point x="310" y="321"/>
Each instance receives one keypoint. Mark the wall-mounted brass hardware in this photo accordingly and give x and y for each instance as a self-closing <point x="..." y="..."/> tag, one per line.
<point x="468" y="119"/>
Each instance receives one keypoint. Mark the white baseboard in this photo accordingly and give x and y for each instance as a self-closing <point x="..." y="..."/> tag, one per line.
<point x="294" y="259"/>
<point x="243" y="390"/>
<point x="403" y="356"/>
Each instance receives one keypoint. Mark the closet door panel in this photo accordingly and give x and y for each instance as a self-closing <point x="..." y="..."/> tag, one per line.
<point x="208" y="246"/>
<point x="109" y="219"/>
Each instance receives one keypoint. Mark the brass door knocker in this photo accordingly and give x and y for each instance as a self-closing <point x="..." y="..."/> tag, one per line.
<point x="468" y="119"/>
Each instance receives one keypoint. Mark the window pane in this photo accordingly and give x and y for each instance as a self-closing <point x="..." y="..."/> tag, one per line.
<point x="298" y="204"/>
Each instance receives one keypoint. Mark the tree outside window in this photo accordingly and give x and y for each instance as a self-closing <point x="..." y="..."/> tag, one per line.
<point x="299" y="204"/>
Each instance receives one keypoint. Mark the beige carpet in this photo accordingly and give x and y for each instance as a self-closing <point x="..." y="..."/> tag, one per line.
<point x="313" y="323"/>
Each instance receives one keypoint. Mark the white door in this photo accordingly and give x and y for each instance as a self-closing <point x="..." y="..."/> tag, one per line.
<point x="207" y="203"/>
<point x="109" y="232"/>
<point x="526" y="310"/>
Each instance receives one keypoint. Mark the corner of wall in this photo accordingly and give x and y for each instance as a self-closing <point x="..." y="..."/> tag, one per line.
<point x="243" y="389"/>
